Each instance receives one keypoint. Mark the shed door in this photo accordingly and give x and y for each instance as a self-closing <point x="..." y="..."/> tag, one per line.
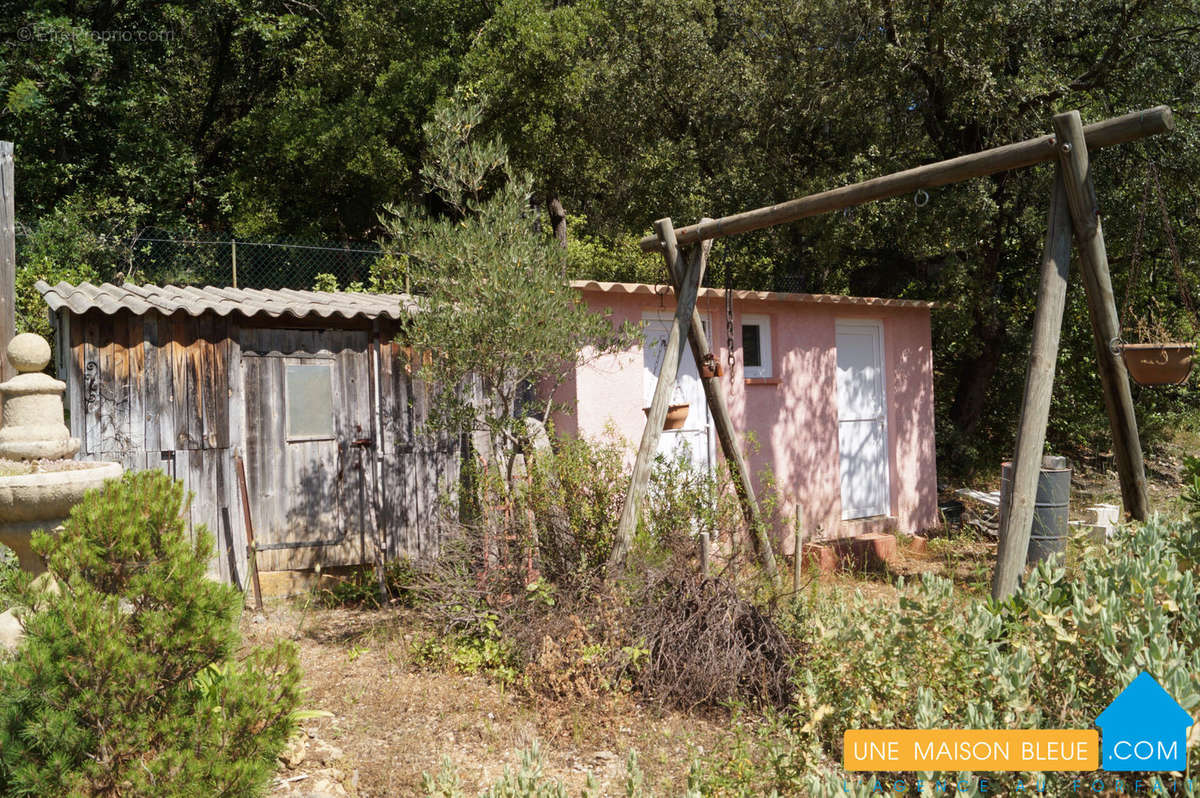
<point x="309" y="464"/>
<point x="862" y="419"/>
<point x="696" y="436"/>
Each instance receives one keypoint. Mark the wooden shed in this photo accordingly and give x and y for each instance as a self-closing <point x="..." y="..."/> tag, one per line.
<point x="308" y="387"/>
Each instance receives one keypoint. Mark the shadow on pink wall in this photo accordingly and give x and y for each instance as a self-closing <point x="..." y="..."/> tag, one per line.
<point x="790" y="423"/>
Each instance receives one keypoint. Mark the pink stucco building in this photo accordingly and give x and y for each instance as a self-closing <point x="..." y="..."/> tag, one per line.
<point x="836" y="390"/>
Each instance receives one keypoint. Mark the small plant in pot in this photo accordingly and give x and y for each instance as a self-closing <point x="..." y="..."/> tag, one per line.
<point x="1159" y="358"/>
<point x="677" y="411"/>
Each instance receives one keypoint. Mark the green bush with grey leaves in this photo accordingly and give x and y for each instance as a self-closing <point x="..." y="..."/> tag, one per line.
<point x="1052" y="656"/>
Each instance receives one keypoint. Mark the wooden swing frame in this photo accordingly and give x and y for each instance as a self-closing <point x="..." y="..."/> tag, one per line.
<point x="1073" y="210"/>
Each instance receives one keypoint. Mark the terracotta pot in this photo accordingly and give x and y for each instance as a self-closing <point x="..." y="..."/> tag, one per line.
<point x="1158" y="364"/>
<point x="819" y="557"/>
<point x="710" y="367"/>
<point x="676" y="415"/>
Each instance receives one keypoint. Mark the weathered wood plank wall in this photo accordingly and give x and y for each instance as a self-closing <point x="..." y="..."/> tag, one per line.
<point x="184" y="393"/>
<point x="420" y="471"/>
<point x="123" y="377"/>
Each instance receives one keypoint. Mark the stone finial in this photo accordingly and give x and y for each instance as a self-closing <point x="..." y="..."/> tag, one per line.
<point x="28" y="352"/>
<point x="32" y="425"/>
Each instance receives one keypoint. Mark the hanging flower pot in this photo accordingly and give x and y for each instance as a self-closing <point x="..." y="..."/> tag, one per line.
<point x="1161" y="362"/>
<point x="710" y="367"/>
<point x="676" y="415"/>
<point x="1158" y="363"/>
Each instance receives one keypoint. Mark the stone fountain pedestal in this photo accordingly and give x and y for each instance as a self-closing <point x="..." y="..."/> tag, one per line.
<point x="43" y="500"/>
<point x="39" y="480"/>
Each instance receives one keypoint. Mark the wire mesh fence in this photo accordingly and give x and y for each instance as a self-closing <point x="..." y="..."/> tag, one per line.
<point x="190" y="258"/>
<point x="161" y="258"/>
<point x="156" y="256"/>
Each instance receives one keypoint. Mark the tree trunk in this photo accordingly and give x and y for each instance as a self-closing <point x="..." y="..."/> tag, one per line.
<point x="975" y="380"/>
<point x="558" y="220"/>
<point x="974" y="383"/>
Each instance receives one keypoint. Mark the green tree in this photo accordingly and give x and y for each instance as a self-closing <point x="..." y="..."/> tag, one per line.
<point x="127" y="682"/>
<point x="493" y="304"/>
<point x="693" y="108"/>
<point x="340" y="135"/>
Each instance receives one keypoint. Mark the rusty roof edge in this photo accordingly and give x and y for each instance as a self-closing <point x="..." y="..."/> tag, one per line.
<point x="767" y="296"/>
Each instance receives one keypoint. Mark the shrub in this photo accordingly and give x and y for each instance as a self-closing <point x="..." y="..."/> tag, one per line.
<point x="1053" y="656"/>
<point x="1191" y="487"/>
<point x="357" y="589"/>
<point x="574" y="495"/>
<point x="520" y="592"/>
<point x="480" y="648"/>
<point x="126" y="683"/>
<point x="706" y="644"/>
<point x="9" y="571"/>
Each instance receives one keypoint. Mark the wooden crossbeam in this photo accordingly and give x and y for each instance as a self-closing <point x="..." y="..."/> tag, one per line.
<point x="1118" y="130"/>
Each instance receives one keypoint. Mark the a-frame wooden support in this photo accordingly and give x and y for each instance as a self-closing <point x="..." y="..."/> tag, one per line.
<point x="1073" y="208"/>
<point x="1016" y="517"/>
<point x="686" y="269"/>
<point x="1102" y="308"/>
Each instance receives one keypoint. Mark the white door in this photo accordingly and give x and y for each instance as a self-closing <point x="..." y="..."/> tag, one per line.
<point x="696" y="436"/>
<point x="862" y="419"/>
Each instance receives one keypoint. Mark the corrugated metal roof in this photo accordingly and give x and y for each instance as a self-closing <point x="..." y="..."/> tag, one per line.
<point x="169" y="299"/>
<point x="769" y="296"/>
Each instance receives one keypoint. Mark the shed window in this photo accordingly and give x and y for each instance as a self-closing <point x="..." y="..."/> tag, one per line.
<point x="309" y="401"/>
<point x="756" y="346"/>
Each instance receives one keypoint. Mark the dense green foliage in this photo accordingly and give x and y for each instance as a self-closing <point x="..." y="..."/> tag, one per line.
<point x="262" y="118"/>
<point x="127" y="681"/>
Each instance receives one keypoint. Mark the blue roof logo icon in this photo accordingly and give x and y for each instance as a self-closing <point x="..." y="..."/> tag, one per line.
<point x="1144" y="729"/>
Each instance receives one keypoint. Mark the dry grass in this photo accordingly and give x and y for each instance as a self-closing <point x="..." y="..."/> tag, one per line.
<point x="395" y="722"/>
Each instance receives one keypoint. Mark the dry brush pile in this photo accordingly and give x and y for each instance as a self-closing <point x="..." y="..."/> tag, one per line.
<point x="520" y="593"/>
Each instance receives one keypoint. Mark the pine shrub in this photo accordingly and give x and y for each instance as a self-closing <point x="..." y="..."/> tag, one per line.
<point x="127" y="682"/>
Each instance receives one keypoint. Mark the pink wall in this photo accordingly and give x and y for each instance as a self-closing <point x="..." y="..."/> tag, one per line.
<point x="793" y="416"/>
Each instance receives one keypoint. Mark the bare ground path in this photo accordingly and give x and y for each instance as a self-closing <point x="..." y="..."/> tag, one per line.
<point x="392" y="722"/>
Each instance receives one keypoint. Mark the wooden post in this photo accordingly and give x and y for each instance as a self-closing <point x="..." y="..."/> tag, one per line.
<point x="251" y="551"/>
<point x="1102" y="308"/>
<point x="798" y="550"/>
<point x="705" y="553"/>
<point x="685" y="308"/>
<point x="731" y="446"/>
<point x="1016" y="518"/>
<point x="8" y="256"/>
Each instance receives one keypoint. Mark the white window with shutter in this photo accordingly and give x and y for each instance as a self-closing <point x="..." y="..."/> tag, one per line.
<point x="756" y="346"/>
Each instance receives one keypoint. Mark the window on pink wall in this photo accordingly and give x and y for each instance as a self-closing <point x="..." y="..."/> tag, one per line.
<point x="756" y="346"/>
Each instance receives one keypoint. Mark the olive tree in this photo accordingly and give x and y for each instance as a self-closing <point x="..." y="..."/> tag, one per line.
<point x="497" y="328"/>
